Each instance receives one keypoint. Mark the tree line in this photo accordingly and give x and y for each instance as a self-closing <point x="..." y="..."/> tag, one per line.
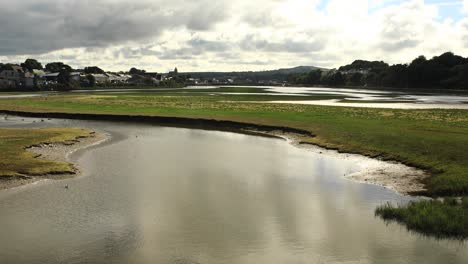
<point x="447" y="71"/>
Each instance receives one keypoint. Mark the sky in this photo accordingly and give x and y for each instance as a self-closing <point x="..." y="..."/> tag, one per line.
<point x="226" y="35"/>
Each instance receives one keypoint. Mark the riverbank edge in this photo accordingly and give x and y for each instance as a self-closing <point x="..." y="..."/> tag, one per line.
<point x="55" y="151"/>
<point x="295" y="136"/>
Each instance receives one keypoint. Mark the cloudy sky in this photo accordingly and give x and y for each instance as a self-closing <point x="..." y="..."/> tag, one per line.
<point x="201" y="35"/>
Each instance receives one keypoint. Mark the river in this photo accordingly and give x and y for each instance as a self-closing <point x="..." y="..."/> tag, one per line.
<point x="171" y="195"/>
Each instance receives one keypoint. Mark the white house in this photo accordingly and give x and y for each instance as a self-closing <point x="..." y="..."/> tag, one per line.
<point x="118" y="78"/>
<point x="101" y="78"/>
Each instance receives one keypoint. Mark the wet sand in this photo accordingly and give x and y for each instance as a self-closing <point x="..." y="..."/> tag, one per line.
<point x="392" y="175"/>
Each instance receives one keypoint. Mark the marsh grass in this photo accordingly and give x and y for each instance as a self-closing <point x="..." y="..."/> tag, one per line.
<point x="15" y="160"/>
<point x="440" y="219"/>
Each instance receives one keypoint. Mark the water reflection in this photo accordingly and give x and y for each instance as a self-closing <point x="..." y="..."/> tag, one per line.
<point x="166" y="195"/>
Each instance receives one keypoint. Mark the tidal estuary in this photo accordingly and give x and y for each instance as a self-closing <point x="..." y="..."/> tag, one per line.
<point x="154" y="194"/>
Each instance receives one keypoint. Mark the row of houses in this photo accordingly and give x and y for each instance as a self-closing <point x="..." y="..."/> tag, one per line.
<point x="79" y="76"/>
<point x="16" y="77"/>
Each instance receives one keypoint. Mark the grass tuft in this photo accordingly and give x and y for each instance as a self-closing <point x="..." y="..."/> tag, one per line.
<point x="440" y="219"/>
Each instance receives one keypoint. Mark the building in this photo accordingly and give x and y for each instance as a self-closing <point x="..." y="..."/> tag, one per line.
<point x="51" y="77"/>
<point x="12" y="72"/>
<point x="27" y="80"/>
<point x="15" y="74"/>
<point x="38" y="73"/>
<point x="75" y="76"/>
<point x="6" y="84"/>
<point x="118" y="78"/>
<point x="101" y="78"/>
<point x="353" y="71"/>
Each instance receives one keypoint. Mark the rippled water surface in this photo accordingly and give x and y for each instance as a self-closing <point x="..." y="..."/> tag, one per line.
<point x="169" y="195"/>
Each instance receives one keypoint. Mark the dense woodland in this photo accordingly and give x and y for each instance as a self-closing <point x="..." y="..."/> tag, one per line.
<point x="447" y="71"/>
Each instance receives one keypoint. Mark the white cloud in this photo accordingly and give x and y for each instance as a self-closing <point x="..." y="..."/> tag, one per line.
<point x="226" y="35"/>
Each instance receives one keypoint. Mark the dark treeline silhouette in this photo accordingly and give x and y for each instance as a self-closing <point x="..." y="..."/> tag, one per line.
<point x="447" y="71"/>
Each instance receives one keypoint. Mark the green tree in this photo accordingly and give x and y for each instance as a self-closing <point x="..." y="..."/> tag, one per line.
<point x="449" y="60"/>
<point x="334" y="79"/>
<point x="64" y="77"/>
<point x="93" y="70"/>
<point x="395" y="76"/>
<point x="91" y="80"/>
<point x="137" y="71"/>
<point x="365" y="65"/>
<point x="314" y="77"/>
<point x="57" y="67"/>
<point x="32" y="64"/>
<point x="355" y="79"/>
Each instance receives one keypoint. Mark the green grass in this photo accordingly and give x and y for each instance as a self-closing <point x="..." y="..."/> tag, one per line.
<point x="15" y="160"/>
<point x="442" y="219"/>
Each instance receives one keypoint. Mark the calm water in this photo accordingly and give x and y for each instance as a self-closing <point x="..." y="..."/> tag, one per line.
<point x="168" y="195"/>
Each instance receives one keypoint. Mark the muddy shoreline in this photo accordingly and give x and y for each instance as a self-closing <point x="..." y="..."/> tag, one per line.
<point x="58" y="151"/>
<point x="197" y="123"/>
<point x="407" y="179"/>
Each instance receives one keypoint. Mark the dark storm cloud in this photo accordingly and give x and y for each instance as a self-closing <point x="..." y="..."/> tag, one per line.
<point x="39" y="26"/>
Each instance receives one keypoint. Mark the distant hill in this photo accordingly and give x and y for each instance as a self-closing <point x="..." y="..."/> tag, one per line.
<point x="277" y="75"/>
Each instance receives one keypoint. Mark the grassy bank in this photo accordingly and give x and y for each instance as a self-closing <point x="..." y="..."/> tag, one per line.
<point x="17" y="161"/>
<point x="443" y="219"/>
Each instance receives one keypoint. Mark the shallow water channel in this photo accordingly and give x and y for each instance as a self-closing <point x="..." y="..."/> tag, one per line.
<point x="170" y="195"/>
